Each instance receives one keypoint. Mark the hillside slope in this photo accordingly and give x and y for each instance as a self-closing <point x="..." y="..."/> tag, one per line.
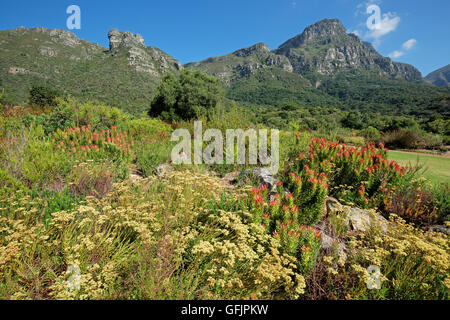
<point x="440" y="77"/>
<point x="124" y="75"/>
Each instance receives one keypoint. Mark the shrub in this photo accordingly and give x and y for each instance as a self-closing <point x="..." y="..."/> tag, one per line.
<point x="172" y="239"/>
<point x="351" y="140"/>
<point x="413" y="204"/>
<point x="402" y="139"/>
<point x="42" y="97"/>
<point x="413" y="264"/>
<point x="150" y="156"/>
<point x="99" y="117"/>
<point x="191" y="95"/>
<point x="91" y="179"/>
<point x="283" y="219"/>
<point x="372" y="134"/>
<point x="362" y="176"/>
<point x="112" y="143"/>
<point x="143" y="128"/>
<point x="31" y="158"/>
<point x="8" y="183"/>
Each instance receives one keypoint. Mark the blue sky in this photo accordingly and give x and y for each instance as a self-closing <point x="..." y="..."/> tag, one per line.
<point x="415" y="32"/>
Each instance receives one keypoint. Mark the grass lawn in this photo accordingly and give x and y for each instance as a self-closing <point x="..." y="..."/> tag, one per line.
<point x="437" y="168"/>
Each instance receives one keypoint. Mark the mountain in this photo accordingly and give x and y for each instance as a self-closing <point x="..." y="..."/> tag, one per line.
<point x="124" y="75"/>
<point x="242" y="63"/>
<point x="326" y="48"/>
<point x="322" y="66"/>
<point x="440" y="77"/>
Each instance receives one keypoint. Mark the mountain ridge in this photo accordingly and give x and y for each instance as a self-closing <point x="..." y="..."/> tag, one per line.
<point x="125" y="75"/>
<point x="322" y="65"/>
<point x="439" y="77"/>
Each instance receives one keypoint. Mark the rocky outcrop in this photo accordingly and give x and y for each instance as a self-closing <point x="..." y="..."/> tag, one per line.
<point x="264" y="176"/>
<point x="324" y="31"/>
<point x="362" y="220"/>
<point x="119" y="39"/>
<point x="326" y="48"/>
<point x="142" y="58"/>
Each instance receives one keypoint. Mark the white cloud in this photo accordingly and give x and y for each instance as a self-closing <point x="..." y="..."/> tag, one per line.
<point x="356" y="32"/>
<point x="410" y="44"/>
<point x="396" y="54"/>
<point x="388" y="23"/>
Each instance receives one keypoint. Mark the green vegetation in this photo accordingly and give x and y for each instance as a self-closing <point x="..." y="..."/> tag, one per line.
<point x="57" y="59"/>
<point x="190" y="96"/>
<point x="43" y="97"/>
<point x="68" y="200"/>
<point x="87" y="183"/>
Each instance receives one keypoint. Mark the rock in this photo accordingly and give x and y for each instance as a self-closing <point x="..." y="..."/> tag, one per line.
<point x="259" y="47"/>
<point x="264" y="176"/>
<point x="357" y="219"/>
<point x="329" y="240"/>
<point x="125" y="39"/>
<point x="362" y="220"/>
<point x="229" y="180"/>
<point x="135" y="178"/>
<point x="438" y="228"/>
<point x="332" y="205"/>
<point x="142" y="58"/>
<point x="163" y="169"/>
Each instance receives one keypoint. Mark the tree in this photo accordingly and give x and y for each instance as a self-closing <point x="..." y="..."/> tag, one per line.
<point x="42" y="97"/>
<point x="190" y="95"/>
<point x="353" y="120"/>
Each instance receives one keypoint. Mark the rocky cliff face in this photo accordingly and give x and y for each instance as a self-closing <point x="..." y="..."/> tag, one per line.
<point x="327" y="49"/>
<point x="142" y="58"/>
<point x="123" y="76"/>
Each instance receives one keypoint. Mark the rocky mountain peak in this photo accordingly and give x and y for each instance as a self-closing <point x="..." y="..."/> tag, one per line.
<point x="126" y="39"/>
<point x="257" y="48"/>
<point x="325" y="28"/>
<point x="327" y="49"/>
<point x="322" y="30"/>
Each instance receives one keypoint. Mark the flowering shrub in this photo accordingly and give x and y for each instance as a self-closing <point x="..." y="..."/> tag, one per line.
<point x="165" y="239"/>
<point x="413" y="263"/>
<point x="283" y="219"/>
<point x="84" y="141"/>
<point x="362" y="176"/>
<point x="413" y="204"/>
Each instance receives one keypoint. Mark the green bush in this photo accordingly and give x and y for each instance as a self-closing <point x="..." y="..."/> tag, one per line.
<point x="150" y="156"/>
<point x="42" y="97"/>
<point x="372" y="134"/>
<point x="283" y="219"/>
<point x="32" y="158"/>
<point x="191" y="95"/>
<point x="142" y="128"/>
